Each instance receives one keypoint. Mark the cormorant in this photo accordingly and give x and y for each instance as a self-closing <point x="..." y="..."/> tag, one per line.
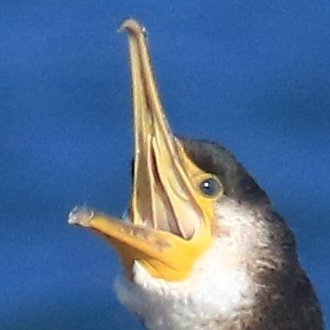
<point x="202" y="247"/>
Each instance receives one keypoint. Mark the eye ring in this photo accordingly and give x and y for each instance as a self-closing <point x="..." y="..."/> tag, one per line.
<point x="210" y="187"/>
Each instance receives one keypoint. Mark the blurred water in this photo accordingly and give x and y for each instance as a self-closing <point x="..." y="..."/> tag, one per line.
<point x="253" y="75"/>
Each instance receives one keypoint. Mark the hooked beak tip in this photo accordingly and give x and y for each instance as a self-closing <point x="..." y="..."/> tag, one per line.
<point x="132" y="25"/>
<point x="81" y="216"/>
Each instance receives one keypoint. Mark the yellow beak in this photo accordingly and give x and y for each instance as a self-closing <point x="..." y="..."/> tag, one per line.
<point x="170" y="222"/>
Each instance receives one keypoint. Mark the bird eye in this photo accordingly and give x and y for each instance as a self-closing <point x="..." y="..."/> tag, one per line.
<point x="210" y="187"/>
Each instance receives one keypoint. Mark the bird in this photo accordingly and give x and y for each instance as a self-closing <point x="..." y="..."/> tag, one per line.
<point x="201" y="246"/>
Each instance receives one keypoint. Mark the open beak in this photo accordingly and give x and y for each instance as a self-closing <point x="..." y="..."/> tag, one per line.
<point x="170" y="222"/>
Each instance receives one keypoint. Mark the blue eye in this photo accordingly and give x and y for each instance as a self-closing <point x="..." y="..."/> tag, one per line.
<point x="210" y="187"/>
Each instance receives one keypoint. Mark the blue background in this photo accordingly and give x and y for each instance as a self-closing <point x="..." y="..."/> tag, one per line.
<point x="251" y="74"/>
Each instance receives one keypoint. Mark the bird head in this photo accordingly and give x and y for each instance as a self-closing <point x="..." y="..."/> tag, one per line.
<point x="199" y="230"/>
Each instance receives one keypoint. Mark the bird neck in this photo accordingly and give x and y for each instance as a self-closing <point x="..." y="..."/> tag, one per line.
<point x="248" y="279"/>
<point x="218" y="288"/>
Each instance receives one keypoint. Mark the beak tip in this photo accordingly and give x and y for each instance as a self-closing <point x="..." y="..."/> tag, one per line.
<point x="132" y="25"/>
<point x="81" y="216"/>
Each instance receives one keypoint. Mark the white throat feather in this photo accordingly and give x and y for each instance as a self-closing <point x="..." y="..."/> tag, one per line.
<point x="219" y="287"/>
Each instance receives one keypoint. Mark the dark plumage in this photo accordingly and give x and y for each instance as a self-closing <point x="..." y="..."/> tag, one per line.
<point x="215" y="159"/>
